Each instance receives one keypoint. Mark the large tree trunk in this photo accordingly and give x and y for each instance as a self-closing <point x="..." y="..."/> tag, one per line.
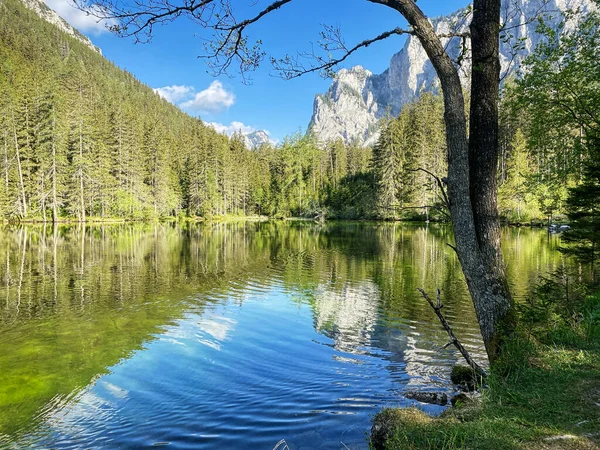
<point x="483" y="160"/>
<point x="486" y="281"/>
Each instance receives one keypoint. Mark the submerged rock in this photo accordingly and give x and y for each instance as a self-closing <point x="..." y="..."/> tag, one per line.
<point x="435" y="398"/>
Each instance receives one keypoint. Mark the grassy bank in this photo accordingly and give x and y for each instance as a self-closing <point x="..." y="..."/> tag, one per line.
<point x="544" y="394"/>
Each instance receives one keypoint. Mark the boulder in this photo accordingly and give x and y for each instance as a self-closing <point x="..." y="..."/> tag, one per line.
<point x="388" y="420"/>
<point x="464" y="377"/>
<point x="434" y="398"/>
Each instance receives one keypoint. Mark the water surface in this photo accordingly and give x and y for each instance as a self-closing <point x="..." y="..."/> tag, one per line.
<point x="229" y="336"/>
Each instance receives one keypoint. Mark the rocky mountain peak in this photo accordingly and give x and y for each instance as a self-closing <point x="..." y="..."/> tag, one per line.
<point x="357" y="99"/>
<point x="256" y="138"/>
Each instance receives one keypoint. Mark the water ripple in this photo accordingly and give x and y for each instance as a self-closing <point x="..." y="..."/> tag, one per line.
<point x="224" y="337"/>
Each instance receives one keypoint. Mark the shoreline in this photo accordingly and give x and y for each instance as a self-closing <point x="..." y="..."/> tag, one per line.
<point x="252" y="218"/>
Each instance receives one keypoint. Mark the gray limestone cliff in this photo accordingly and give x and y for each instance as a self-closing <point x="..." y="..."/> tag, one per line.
<point x="49" y="15"/>
<point x="256" y="138"/>
<point x="358" y="99"/>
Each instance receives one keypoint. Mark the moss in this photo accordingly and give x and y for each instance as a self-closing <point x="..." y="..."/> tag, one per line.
<point x="390" y="421"/>
<point x="464" y="377"/>
<point x="460" y="399"/>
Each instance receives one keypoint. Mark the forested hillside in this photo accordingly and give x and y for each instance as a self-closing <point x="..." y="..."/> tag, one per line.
<point x="81" y="139"/>
<point x="549" y="128"/>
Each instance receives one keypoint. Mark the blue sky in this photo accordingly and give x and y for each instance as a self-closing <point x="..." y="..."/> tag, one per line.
<point x="170" y="61"/>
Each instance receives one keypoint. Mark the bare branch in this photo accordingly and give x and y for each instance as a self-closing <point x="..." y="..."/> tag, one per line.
<point x="141" y="20"/>
<point x="452" y="247"/>
<point x="440" y="184"/>
<point x="227" y="45"/>
<point x="463" y="34"/>
<point x="453" y="340"/>
<point x="291" y="67"/>
<point x="243" y="24"/>
<point x="512" y="12"/>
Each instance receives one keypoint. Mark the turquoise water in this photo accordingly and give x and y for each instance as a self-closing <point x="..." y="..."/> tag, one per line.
<point x="229" y="336"/>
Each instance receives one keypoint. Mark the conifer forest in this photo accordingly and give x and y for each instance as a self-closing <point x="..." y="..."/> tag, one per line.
<point x="81" y="140"/>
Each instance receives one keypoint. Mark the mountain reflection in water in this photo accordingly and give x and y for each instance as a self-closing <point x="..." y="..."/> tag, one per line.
<point x="229" y="335"/>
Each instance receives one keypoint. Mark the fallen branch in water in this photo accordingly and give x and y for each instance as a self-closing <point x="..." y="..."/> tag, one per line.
<point x="453" y="340"/>
<point x="281" y="445"/>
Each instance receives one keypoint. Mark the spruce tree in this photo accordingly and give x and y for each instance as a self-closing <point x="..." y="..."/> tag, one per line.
<point x="583" y="209"/>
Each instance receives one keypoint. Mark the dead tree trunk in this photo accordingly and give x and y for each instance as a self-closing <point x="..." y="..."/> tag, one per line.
<point x="54" y="174"/>
<point x="453" y="340"/>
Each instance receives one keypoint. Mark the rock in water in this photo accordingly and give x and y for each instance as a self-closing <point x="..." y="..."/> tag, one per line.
<point x="464" y="377"/>
<point x="434" y="398"/>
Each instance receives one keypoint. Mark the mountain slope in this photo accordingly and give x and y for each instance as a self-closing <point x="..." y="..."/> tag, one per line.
<point x="357" y="99"/>
<point x="256" y="138"/>
<point x="81" y="138"/>
<point x="49" y="15"/>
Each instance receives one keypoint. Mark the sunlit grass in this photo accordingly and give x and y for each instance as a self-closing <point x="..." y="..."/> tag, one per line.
<point x="544" y="394"/>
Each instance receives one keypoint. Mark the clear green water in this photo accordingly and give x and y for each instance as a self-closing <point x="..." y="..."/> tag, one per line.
<point x="228" y="335"/>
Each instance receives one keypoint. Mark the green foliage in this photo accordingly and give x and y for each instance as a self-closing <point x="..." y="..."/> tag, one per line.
<point x="79" y="137"/>
<point x="545" y="384"/>
<point x="553" y="105"/>
<point x="516" y="201"/>
<point x="556" y="301"/>
<point x="583" y="209"/>
<point x="415" y="140"/>
<point x="353" y="198"/>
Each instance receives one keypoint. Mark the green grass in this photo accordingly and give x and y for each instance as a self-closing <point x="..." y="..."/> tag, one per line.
<point x="543" y="394"/>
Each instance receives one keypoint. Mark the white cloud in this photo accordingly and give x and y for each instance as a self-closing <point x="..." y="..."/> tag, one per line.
<point x="211" y="100"/>
<point x="174" y="93"/>
<point x="82" y="20"/>
<point x="233" y="127"/>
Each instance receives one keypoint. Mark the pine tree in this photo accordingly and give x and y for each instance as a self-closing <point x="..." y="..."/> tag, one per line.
<point x="386" y="165"/>
<point x="516" y="202"/>
<point x="583" y="209"/>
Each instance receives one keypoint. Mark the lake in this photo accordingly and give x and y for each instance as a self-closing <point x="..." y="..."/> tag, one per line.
<point x="230" y="335"/>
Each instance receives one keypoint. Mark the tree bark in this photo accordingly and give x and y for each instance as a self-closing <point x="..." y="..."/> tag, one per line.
<point x="20" y="171"/>
<point x="487" y="284"/>
<point x="483" y="157"/>
<point x="54" y="197"/>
